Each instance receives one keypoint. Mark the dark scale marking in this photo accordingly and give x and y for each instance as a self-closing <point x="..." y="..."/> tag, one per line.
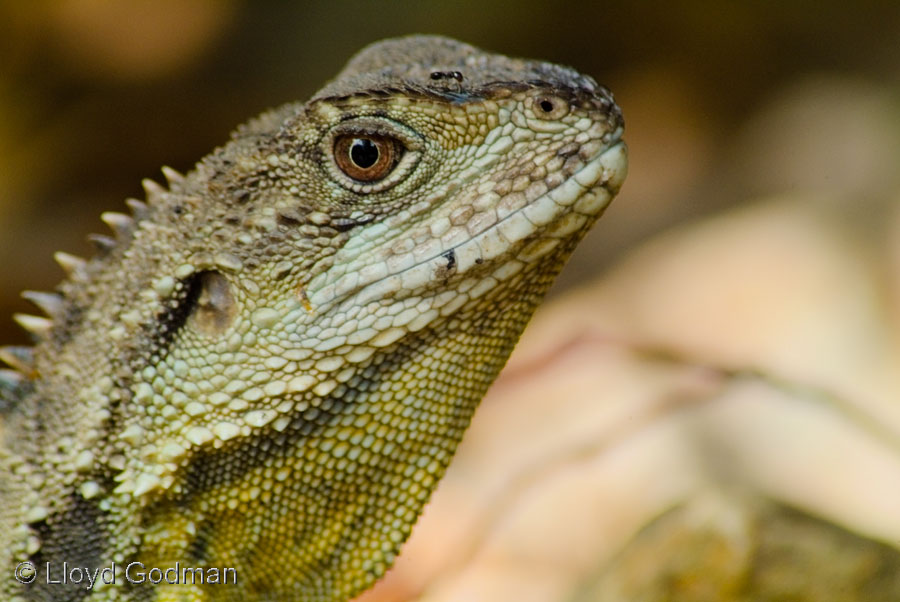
<point x="229" y="467"/>
<point x="197" y="551"/>
<point x="343" y="224"/>
<point x="178" y="309"/>
<point x="450" y="256"/>
<point x="75" y="536"/>
<point x="218" y="467"/>
<point x="288" y="219"/>
<point x="445" y="271"/>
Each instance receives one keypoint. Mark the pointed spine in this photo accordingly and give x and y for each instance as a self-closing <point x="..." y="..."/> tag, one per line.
<point x="153" y="190"/>
<point x="139" y="209"/>
<point x="10" y="379"/>
<point x="71" y="264"/>
<point x="36" y="325"/>
<point x="50" y="303"/>
<point x="172" y="176"/>
<point x="102" y="242"/>
<point x="122" y="225"/>
<point x="19" y="358"/>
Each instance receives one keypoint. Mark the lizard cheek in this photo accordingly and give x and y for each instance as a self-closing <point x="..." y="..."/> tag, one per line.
<point x="371" y="154"/>
<point x="215" y="308"/>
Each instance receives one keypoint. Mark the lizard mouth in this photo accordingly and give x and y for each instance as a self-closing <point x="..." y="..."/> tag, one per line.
<point x="555" y="215"/>
<point x="551" y="218"/>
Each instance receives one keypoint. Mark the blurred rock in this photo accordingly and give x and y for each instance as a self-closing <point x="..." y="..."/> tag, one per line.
<point x="712" y="550"/>
<point x="836" y="137"/>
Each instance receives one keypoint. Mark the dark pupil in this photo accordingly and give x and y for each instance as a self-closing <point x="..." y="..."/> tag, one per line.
<point x="363" y="153"/>
<point x="546" y="106"/>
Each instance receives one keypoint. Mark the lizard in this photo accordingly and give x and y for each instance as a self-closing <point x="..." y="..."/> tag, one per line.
<point x="265" y="371"/>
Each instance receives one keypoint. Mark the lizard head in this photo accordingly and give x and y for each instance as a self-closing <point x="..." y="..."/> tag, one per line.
<point x="428" y="174"/>
<point x="305" y="323"/>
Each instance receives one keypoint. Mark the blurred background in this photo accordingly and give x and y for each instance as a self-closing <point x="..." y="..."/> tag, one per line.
<point x="723" y="103"/>
<point x="738" y="307"/>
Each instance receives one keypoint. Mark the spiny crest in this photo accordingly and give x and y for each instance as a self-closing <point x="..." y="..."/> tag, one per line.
<point x="20" y="358"/>
<point x="9" y="381"/>
<point x="52" y="304"/>
<point x="36" y="325"/>
<point x="154" y="193"/>
<point x="153" y="190"/>
<point x="172" y="176"/>
<point x="49" y="303"/>
<point x="139" y="209"/>
<point x="122" y="225"/>
<point x="71" y="264"/>
<point x="103" y="243"/>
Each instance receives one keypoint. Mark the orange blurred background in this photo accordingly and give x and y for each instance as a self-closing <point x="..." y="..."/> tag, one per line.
<point x="733" y="319"/>
<point x="723" y="102"/>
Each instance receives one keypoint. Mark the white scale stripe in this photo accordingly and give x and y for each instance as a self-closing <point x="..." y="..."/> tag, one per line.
<point x="607" y="167"/>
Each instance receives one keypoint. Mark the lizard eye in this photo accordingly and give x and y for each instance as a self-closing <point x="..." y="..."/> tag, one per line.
<point x="371" y="154"/>
<point x="367" y="158"/>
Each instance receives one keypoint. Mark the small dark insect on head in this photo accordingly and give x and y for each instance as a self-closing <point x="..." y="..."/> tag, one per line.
<point x="439" y="75"/>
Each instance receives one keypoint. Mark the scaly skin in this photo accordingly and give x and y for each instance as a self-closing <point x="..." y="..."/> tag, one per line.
<point x="271" y="367"/>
